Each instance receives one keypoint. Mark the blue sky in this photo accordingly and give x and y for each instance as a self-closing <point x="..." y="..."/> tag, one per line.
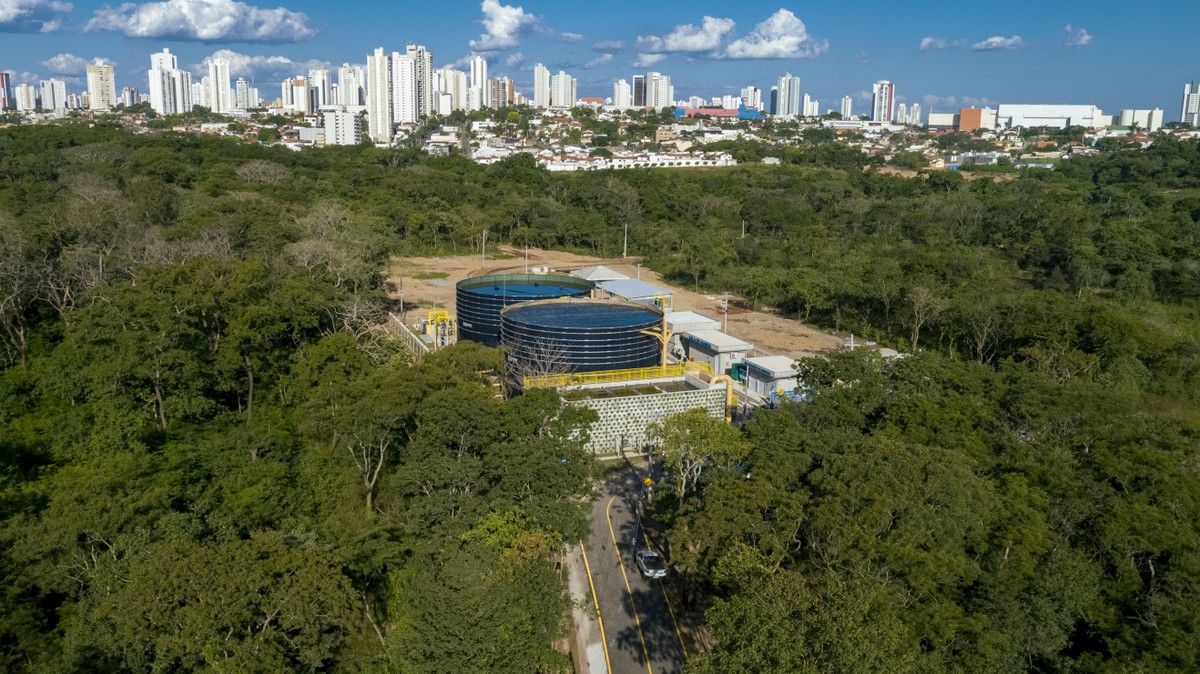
<point x="940" y="54"/>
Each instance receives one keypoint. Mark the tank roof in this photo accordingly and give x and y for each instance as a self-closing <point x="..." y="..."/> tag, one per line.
<point x="583" y="315"/>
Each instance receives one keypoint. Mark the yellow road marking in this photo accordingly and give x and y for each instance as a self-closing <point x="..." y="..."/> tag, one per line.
<point x="596" y="601"/>
<point x="628" y="589"/>
<point x="674" y="622"/>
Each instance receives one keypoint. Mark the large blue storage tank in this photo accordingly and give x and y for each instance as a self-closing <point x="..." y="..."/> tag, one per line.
<point x="479" y="301"/>
<point x="584" y="336"/>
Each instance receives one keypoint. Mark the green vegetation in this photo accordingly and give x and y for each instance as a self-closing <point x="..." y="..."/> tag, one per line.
<point x="209" y="459"/>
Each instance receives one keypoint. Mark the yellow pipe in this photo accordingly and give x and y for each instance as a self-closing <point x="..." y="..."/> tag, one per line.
<point x="728" y="394"/>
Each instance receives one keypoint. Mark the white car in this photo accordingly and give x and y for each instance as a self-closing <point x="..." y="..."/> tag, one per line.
<point x="651" y="564"/>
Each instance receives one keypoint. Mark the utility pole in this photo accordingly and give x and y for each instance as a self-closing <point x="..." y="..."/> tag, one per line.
<point x="725" y="307"/>
<point x="625" y="247"/>
<point x="483" y="250"/>
<point x="743" y="228"/>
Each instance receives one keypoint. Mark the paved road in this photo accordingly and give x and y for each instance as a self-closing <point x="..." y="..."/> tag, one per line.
<point x="637" y="619"/>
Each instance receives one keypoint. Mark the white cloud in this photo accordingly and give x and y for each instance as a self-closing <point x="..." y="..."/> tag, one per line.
<point x="23" y="77"/>
<point x="65" y="64"/>
<point x="998" y="42"/>
<point x="646" y="60"/>
<point x="514" y="59"/>
<point x="203" y="21"/>
<point x="33" y="16"/>
<point x="687" y="37"/>
<point x="928" y="43"/>
<point x="862" y="96"/>
<point x="568" y="37"/>
<point x="781" y="36"/>
<point x="601" y="60"/>
<point x="953" y="102"/>
<point x="252" y="66"/>
<point x="1077" y="38"/>
<point x="609" y="45"/>
<point x="502" y="26"/>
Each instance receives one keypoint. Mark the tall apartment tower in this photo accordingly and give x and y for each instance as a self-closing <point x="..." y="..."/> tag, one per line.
<point x="218" y="96"/>
<point x="320" y="88"/>
<point x="456" y="84"/>
<point x="102" y="86"/>
<point x="479" y="83"/>
<point x="404" y="89"/>
<point x="26" y="97"/>
<point x="541" y="86"/>
<point x="788" y="101"/>
<point x="847" y="107"/>
<point x="1190" y="113"/>
<point x="883" y="106"/>
<point x="639" y="91"/>
<point x="54" y="94"/>
<point x="422" y="60"/>
<point x="7" y="95"/>
<point x="501" y="92"/>
<point x="352" y="80"/>
<point x="170" y="88"/>
<point x="659" y="92"/>
<point x="379" y="96"/>
<point x="752" y="97"/>
<point x="622" y="95"/>
<point x="562" y="90"/>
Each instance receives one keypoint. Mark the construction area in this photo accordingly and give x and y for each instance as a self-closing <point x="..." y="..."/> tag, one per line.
<point x="607" y="335"/>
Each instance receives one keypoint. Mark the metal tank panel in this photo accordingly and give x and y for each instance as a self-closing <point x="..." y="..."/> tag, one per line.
<point x="586" y="336"/>
<point x="479" y="301"/>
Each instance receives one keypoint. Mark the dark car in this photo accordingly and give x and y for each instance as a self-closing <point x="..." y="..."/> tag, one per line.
<point x="651" y="564"/>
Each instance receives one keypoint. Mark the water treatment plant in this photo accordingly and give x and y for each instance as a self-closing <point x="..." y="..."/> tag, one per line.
<point x="480" y="300"/>
<point x="582" y="335"/>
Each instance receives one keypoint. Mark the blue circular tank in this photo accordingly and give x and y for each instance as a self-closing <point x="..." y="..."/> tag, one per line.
<point x="581" y="336"/>
<point x="479" y="301"/>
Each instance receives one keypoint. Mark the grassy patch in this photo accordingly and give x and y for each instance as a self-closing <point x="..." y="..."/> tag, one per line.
<point x="430" y="275"/>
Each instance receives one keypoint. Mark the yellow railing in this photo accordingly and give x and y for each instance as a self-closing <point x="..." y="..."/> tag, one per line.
<point x="616" y="376"/>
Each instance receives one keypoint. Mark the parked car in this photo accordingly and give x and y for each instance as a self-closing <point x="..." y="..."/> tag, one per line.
<point x="651" y="564"/>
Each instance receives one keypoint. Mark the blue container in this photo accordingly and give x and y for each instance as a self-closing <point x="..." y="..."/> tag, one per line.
<point x="582" y="336"/>
<point x="479" y="301"/>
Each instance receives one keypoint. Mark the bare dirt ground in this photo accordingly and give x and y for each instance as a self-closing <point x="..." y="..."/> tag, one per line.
<point x="770" y="334"/>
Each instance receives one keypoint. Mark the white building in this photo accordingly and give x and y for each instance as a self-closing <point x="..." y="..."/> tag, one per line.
<point x="26" y="97"/>
<point x="423" y="78"/>
<point x="379" y="97"/>
<point x="102" y="86"/>
<point x="914" y="114"/>
<point x="752" y="97"/>
<point x="456" y="84"/>
<point x="541" y="86"/>
<point x="405" y="106"/>
<point x="1055" y="116"/>
<point x="847" y="107"/>
<point x="320" y="88"/>
<point x="811" y="107"/>
<point x="788" y="101"/>
<point x="130" y="96"/>
<point x="1146" y="120"/>
<point x="343" y="127"/>
<point x="659" y="91"/>
<point x="718" y="349"/>
<point x="54" y="94"/>
<point x="883" y="101"/>
<point x="562" y="90"/>
<point x="218" y="96"/>
<point x="622" y="95"/>
<point x="1190" y="112"/>
<point x="352" y="81"/>
<point x="170" y="88"/>
<point x="478" y="96"/>
<point x="766" y="375"/>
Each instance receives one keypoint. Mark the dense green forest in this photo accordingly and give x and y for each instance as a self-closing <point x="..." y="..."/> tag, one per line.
<point x="211" y="460"/>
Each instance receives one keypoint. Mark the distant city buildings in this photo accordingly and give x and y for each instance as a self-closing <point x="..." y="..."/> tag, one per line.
<point x="54" y="94"/>
<point x="170" y="88"/>
<point x="847" y="107"/>
<point x="1190" y="113"/>
<point x="7" y="95"/>
<point x="622" y="98"/>
<point x="563" y="90"/>
<point x="788" y="102"/>
<point x="541" y="86"/>
<point x="25" y="97"/>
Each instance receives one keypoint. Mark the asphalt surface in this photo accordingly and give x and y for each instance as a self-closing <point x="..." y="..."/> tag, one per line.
<point x="638" y="623"/>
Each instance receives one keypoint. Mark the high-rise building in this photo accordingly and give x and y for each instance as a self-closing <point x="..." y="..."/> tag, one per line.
<point x="25" y="97"/>
<point x="170" y="88"/>
<point x="541" y="86"/>
<point x="914" y="114"/>
<point x="241" y="94"/>
<point x="479" y="87"/>
<point x="343" y="127"/>
<point x="562" y="90"/>
<point x="622" y="95"/>
<point x="883" y="105"/>
<point x="320" y="88"/>
<point x="639" y="91"/>
<point x="501" y="92"/>
<point x="752" y="97"/>
<point x="423" y="65"/>
<point x="352" y="80"/>
<point x="789" y="103"/>
<point x="810" y="107"/>
<point x="902" y="113"/>
<point x="379" y="96"/>
<point x="659" y="92"/>
<point x="1190" y="113"/>
<point x="102" y="86"/>
<point x="404" y="89"/>
<point x="54" y="94"/>
<point x="456" y="84"/>
<point x="130" y="96"/>
<point x="218" y="96"/>
<point x="847" y="107"/>
<point x="7" y="95"/>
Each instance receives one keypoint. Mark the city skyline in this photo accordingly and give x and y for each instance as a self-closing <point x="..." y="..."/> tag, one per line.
<point x="941" y="58"/>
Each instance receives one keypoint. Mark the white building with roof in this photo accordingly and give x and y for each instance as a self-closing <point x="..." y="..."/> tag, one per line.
<point x="718" y="349"/>
<point x="766" y="375"/>
<point x="599" y="273"/>
<point x="638" y="292"/>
